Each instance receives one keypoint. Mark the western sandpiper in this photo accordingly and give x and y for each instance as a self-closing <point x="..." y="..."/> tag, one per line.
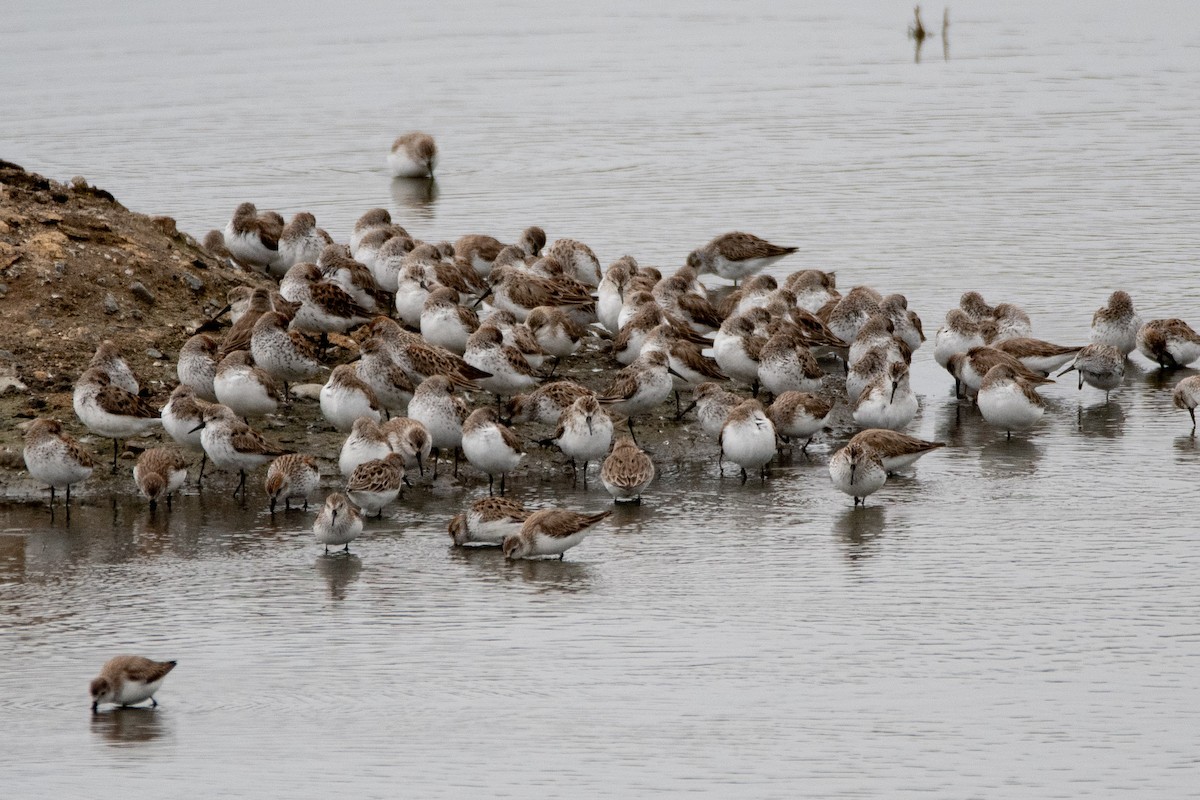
<point x="736" y="255"/>
<point x="584" y="432"/>
<point x="108" y="358"/>
<point x="799" y="415"/>
<point x="1099" y="365"/>
<point x="391" y="385"/>
<point x="812" y="288"/>
<point x="969" y="368"/>
<point x="610" y="292"/>
<point x="906" y="323"/>
<point x="325" y="306"/>
<point x="338" y="522"/>
<point x="445" y="323"/>
<point x="413" y="155"/>
<point x="853" y="311"/>
<point x="126" y="680"/>
<point x="159" y="472"/>
<point x="580" y="262"/>
<point x="640" y="387"/>
<point x="974" y="306"/>
<point x="367" y="441"/>
<point x="1187" y="396"/>
<point x="858" y="471"/>
<point x="345" y="398"/>
<point x="111" y="412"/>
<point x="958" y="335"/>
<point x="355" y="279"/>
<point x="713" y="404"/>
<point x="301" y="240"/>
<point x="520" y="292"/>
<point x="1170" y="343"/>
<point x="555" y="331"/>
<point x="370" y="246"/>
<point x="509" y="372"/>
<point x="232" y="444"/>
<point x="627" y="471"/>
<point x="863" y="372"/>
<point x="748" y="438"/>
<point x="755" y="292"/>
<point x="689" y="366"/>
<point x="738" y="350"/>
<point x="1117" y="324"/>
<point x="550" y="532"/>
<point x="546" y="404"/>
<point x="1039" y="356"/>
<point x="389" y="262"/>
<point x="1008" y="401"/>
<point x="489" y="446"/>
<point x="180" y="416"/>
<point x="896" y="450"/>
<point x="421" y="360"/>
<point x="374" y="484"/>
<point x="253" y="238"/>
<point x="488" y="520"/>
<point x="1011" y="323"/>
<point x="410" y="439"/>
<point x="245" y="387"/>
<point x="879" y="331"/>
<point x="786" y="364"/>
<point x="293" y="476"/>
<point x="676" y="297"/>
<point x="54" y="457"/>
<point x="238" y="335"/>
<point x="375" y="218"/>
<point x="197" y="365"/>
<point x="442" y="413"/>
<point x="888" y="402"/>
<point x="286" y="355"/>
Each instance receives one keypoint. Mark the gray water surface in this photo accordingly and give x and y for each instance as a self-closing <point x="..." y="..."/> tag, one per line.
<point x="1011" y="619"/>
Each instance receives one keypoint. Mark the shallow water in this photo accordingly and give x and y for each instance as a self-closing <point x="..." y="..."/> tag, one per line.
<point x="1012" y="619"/>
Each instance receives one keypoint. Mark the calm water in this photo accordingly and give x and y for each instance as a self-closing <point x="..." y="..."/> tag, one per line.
<point x="1015" y="619"/>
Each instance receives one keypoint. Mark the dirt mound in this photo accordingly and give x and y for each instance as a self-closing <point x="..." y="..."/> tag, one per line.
<point x="77" y="267"/>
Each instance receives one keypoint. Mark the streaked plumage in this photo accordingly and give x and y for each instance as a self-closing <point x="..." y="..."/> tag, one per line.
<point x="293" y="476"/>
<point x="895" y="450"/>
<point x="374" y="484"/>
<point x="551" y="531"/>
<point x="627" y="471"/>
<point x="54" y="457"/>
<point x="488" y="521"/>
<point x="338" y="522"/>
<point x="858" y="471"/>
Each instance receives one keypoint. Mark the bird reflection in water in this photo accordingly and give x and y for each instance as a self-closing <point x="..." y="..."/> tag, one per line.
<point x="859" y="528"/>
<point x="1009" y="458"/>
<point x="125" y="726"/>
<point x="543" y="574"/>
<point x="1106" y="420"/>
<point x="339" y="570"/>
<point x="919" y="33"/>
<point x="418" y="194"/>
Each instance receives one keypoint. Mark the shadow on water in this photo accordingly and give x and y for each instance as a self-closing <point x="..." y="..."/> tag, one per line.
<point x="124" y="726"/>
<point x="1010" y="458"/>
<point x="1106" y="420"/>
<point x="417" y="194"/>
<point x="339" y="570"/>
<point x="544" y="575"/>
<point x="859" y="528"/>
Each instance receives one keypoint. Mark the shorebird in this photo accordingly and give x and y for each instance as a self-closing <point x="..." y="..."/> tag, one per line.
<point x="858" y="471"/>
<point x="1098" y="365"/>
<point x="108" y="359"/>
<point x="390" y="384"/>
<point x="736" y="255"/>
<point x="445" y="323"/>
<point x="339" y="522"/>
<point x="508" y="371"/>
<point x="159" y="472"/>
<point x="907" y="325"/>
<point x="786" y="365"/>
<point x="852" y="312"/>
<point x="374" y="218"/>
<point x="640" y="387"/>
<point x="245" y="387"/>
<point x="345" y="398"/>
<point x="489" y="521"/>
<point x="481" y="251"/>
<point x="293" y="476"/>
<point x="111" y="412"/>
<point x="738" y="350"/>
<point x="180" y="416"/>
<point x="413" y="155"/>
<point x="748" y="438"/>
<point x="420" y="360"/>
<point x="1117" y="324"/>
<point x="969" y="368"/>
<point x="197" y="365"/>
<point x="409" y="438"/>
<point x="546" y="403"/>
<point x="550" y="532"/>
<point x="1170" y="343"/>
<point x="367" y="441"/>
<point x="627" y="471"/>
<point x="442" y="413"/>
<point x="489" y="446"/>
<point x="1185" y="396"/>
<point x="812" y="288"/>
<point x="127" y="680"/>
<point x="1038" y="356"/>
<point x="54" y="457"/>
<point x="888" y="401"/>
<point x="555" y="331"/>
<point x="325" y="307"/>
<point x="232" y="444"/>
<point x="686" y="363"/>
<point x="584" y="432"/>
<point x="713" y="404"/>
<point x="286" y="355"/>
<point x="799" y="415"/>
<point x="520" y="291"/>
<point x="374" y="484"/>
<point x="958" y="335"/>
<point x="895" y="450"/>
<point x="253" y="238"/>
<point x="1008" y="401"/>
<point x="301" y="240"/>
<point x="353" y="278"/>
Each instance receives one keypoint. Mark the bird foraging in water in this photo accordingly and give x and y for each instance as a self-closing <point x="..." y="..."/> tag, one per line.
<point x="413" y="155"/>
<point x="858" y="471"/>
<point x="550" y="532"/>
<point x="339" y="522"/>
<point x="126" y="680"/>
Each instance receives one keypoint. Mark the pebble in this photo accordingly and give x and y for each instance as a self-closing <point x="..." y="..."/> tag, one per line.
<point x="138" y="290"/>
<point x="194" y="283"/>
<point x="110" y="304"/>
<point x="10" y="385"/>
<point x="154" y="353"/>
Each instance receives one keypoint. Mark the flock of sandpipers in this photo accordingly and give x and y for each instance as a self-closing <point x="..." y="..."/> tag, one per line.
<point x="432" y="320"/>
